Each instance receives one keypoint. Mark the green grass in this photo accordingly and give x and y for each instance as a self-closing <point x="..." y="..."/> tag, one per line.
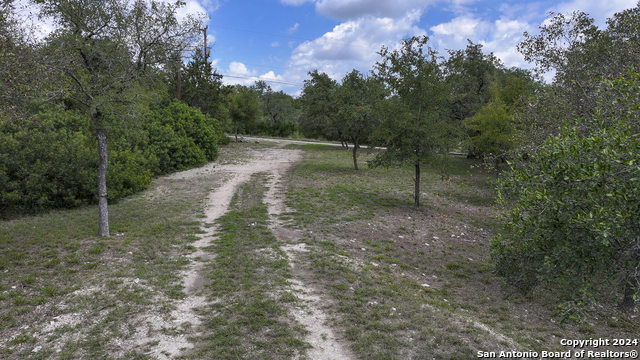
<point x="368" y="251"/>
<point x="54" y="265"/>
<point x="248" y="282"/>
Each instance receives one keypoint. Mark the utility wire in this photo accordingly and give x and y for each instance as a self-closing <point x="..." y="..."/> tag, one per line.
<point x="265" y="80"/>
<point x="267" y="66"/>
<point x="293" y="37"/>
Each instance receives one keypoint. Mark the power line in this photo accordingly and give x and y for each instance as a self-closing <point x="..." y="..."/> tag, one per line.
<point x="265" y="80"/>
<point x="267" y="66"/>
<point x="294" y="37"/>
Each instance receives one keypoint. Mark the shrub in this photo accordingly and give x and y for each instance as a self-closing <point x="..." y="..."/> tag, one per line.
<point x="575" y="220"/>
<point x="49" y="160"/>
<point x="182" y="137"/>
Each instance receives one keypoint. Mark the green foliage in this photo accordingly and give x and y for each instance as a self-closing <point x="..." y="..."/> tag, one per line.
<point x="49" y="161"/>
<point x="279" y="108"/>
<point x="358" y="97"/>
<point x="130" y="171"/>
<point x="414" y="129"/>
<point x="244" y="109"/>
<point x="44" y="164"/>
<point x="319" y="107"/>
<point x="202" y="86"/>
<point x="575" y="215"/>
<point x="492" y="130"/>
<point x="580" y="54"/>
<point x="182" y="137"/>
<point x="469" y="73"/>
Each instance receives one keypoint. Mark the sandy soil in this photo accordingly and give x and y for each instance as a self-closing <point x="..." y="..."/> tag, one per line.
<point x="275" y="162"/>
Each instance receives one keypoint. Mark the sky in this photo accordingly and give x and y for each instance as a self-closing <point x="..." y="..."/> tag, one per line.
<point x="281" y="41"/>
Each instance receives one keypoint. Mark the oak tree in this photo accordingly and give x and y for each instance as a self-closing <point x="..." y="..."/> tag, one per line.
<point x="109" y="51"/>
<point x="358" y="99"/>
<point x="414" y="129"/>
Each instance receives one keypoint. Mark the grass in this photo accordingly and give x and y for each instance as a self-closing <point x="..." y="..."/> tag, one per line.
<point x="406" y="283"/>
<point x="80" y="295"/>
<point x="397" y="282"/>
<point x="248" y="287"/>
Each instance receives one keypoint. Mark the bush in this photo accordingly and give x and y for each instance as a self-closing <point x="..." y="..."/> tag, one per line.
<point x="182" y="137"/>
<point x="44" y="164"/>
<point x="575" y="220"/>
<point x="50" y="161"/>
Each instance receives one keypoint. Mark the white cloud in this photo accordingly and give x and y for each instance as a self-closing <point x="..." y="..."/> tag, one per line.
<point x="353" y="44"/>
<point x="271" y="76"/>
<point x="275" y="44"/>
<point x="210" y="5"/>
<point x="191" y="7"/>
<point x="368" y="24"/>
<point x="293" y="29"/>
<point x="461" y="28"/>
<point x="599" y="10"/>
<point x="352" y="9"/>
<point x="238" y="68"/>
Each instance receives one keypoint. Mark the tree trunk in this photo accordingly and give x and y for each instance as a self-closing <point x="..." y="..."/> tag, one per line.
<point x="630" y="289"/>
<point x="416" y="203"/>
<point x="103" y="220"/>
<point x="355" y="158"/>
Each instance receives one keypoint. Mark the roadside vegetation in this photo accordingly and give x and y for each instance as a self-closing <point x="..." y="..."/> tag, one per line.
<point x="71" y="294"/>
<point x="406" y="283"/>
<point x="498" y="211"/>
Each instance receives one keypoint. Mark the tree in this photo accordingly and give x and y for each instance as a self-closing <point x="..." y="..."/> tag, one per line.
<point x="580" y="54"/>
<point x="181" y="137"/>
<point x="202" y="85"/>
<point x="244" y="109"/>
<point x="574" y="216"/>
<point x="279" y="108"/>
<point x="106" y="49"/>
<point x="413" y="129"/>
<point x="320" y="106"/>
<point x="358" y="97"/>
<point x="23" y="77"/>
<point x="469" y="73"/>
<point x="493" y="129"/>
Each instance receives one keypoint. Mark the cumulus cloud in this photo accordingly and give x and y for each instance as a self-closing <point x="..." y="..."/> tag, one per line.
<point x="275" y="44"/>
<point x="352" y="9"/>
<point x="271" y="76"/>
<point x="599" y="10"/>
<point x="499" y="37"/>
<point x="191" y="7"/>
<point x="354" y="43"/>
<point x="238" y="68"/>
<point x="461" y="28"/>
<point x="366" y="25"/>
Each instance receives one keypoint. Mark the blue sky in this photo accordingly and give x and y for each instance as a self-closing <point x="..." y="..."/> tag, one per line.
<point x="282" y="40"/>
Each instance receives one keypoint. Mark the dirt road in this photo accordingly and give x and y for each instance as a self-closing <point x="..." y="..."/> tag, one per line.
<point x="275" y="162"/>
